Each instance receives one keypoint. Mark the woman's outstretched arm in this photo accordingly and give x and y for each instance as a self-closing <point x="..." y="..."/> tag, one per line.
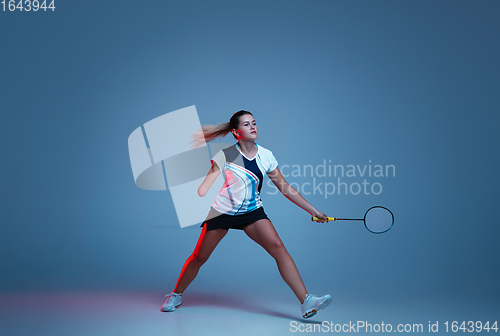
<point x="293" y="195"/>
<point x="209" y="180"/>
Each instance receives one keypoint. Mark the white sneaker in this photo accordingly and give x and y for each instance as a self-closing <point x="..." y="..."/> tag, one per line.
<point x="313" y="303"/>
<point x="173" y="301"/>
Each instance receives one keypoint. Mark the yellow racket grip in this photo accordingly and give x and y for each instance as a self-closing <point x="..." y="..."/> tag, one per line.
<point x="314" y="218"/>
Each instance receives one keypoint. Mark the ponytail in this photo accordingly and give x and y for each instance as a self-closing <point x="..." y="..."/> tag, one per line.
<point x="208" y="133"/>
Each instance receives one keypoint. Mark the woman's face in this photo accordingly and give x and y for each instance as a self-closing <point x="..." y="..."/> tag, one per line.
<point x="248" y="128"/>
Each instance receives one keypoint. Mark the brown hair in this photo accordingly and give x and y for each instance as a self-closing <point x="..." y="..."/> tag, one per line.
<point x="210" y="132"/>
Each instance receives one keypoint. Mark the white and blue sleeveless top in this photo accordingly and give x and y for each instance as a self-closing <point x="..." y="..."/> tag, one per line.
<point x="242" y="179"/>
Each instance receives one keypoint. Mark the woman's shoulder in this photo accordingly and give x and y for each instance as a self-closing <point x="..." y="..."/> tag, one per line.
<point x="264" y="151"/>
<point x="267" y="158"/>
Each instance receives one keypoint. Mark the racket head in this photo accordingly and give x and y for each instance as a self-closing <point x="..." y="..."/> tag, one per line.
<point x="378" y="219"/>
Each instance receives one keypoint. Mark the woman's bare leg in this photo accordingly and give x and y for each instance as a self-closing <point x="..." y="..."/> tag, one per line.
<point x="206" y="244"/>
<point x="264" y="234"/>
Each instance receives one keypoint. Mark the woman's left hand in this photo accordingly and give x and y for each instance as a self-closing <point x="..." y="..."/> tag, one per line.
<point x="321" y="216"/>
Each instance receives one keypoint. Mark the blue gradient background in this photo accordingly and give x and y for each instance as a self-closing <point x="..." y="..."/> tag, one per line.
<point x="414" y="84"/>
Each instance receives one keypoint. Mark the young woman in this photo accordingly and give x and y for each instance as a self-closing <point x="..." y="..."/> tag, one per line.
<point x="238" y="206"/>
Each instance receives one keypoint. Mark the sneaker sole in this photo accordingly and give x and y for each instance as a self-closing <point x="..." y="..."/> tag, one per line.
<point x="310" y="313"/>
<point x="169" y="311"/>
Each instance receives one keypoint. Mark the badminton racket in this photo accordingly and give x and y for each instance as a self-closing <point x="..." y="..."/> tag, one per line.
<point x="377" y="219"/>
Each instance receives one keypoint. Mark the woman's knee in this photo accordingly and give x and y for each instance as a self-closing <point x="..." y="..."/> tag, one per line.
<point x="199" y="258"/>
<point x="276" y="247"/>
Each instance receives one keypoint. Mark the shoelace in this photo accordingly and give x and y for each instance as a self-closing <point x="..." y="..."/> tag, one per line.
<point x="170" y="297"/>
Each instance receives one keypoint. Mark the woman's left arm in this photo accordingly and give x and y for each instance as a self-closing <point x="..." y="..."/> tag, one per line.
<point x="293" y="195"/>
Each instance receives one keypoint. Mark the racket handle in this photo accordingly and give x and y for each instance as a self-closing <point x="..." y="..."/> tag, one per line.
<point x="314" y="218"/>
